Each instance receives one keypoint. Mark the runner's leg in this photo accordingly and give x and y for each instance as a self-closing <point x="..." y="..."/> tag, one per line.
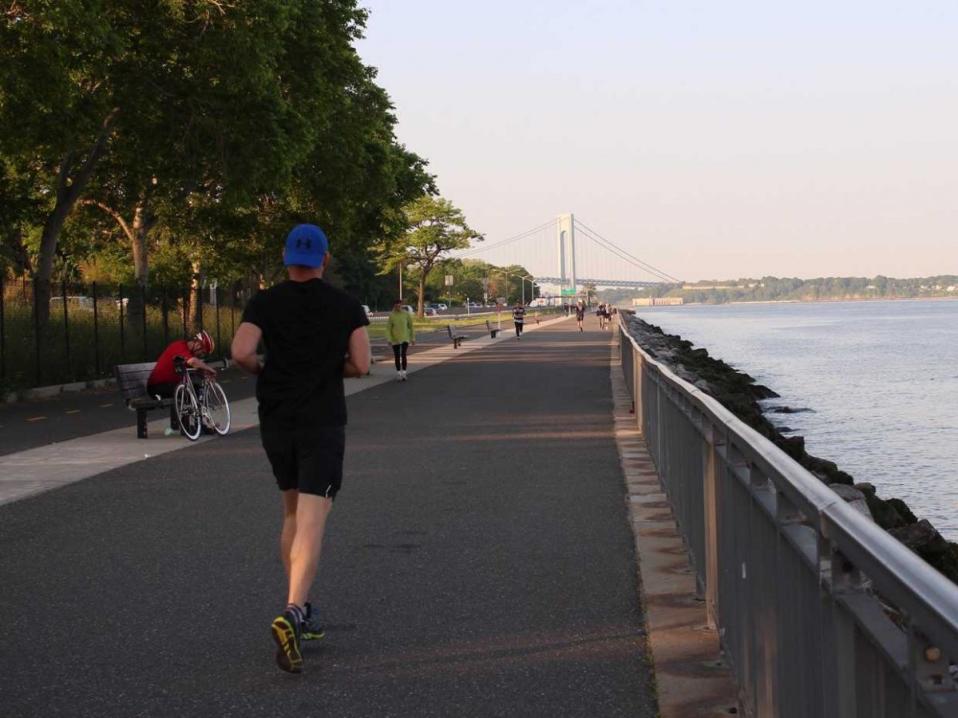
<point x="405" y="347"/>
<point x="289" y="526"/>
<point x="396" y="351"/>
<point x="311" y="514"/>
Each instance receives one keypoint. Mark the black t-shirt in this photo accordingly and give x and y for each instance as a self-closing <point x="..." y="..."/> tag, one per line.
<point x="306" y="328"/>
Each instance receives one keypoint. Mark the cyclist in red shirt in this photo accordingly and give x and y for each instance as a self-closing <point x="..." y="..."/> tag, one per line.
<point x="163" y="379"/>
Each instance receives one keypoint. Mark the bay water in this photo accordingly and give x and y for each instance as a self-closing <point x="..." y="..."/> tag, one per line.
<point x="880" y="379"/>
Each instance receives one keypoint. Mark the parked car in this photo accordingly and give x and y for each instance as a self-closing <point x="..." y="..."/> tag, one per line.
<point x="407" y="308"/>
<point x="442" y="306"/>
<point x="430" y="311"/>
<point x="369" y="312"/>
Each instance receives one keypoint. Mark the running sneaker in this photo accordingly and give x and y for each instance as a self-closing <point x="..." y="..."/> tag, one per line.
<point x="313" y="629"/>
<point x="287" y="632"/>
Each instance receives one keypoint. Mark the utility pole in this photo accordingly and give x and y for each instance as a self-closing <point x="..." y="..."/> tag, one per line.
<point x="400" y="281"/>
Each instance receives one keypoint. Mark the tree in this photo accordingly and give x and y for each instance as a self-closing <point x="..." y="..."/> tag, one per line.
<point x="57" y="109"/>
<point x="434" y="228"/>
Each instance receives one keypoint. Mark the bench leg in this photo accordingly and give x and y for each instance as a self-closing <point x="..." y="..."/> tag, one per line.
<point x="456" y="343"/>
<point x="141" y="424"/>
<point x="174" y="419"/>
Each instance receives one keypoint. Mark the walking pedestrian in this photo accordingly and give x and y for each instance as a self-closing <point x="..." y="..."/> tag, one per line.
<point x="518" y="318"/>
<point x="314" y="336"/>
<point x="400" y="333"/>
<point x="579" y="313"/>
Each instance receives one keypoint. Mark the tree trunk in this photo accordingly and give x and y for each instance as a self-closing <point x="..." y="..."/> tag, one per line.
<point x="196" y="297"/>
<point x="142" y="224"/>
<point x="137" y="232"/>
<point x="69" y="186"/>
<point x="421" y="308"/>
<point x="48" y="243"/>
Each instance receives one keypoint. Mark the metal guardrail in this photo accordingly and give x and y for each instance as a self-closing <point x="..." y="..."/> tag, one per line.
<point x="821" y="613"/>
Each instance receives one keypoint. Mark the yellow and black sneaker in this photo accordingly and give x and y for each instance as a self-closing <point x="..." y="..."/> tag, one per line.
<point x="287" y="632"/>
<point x="313" y="628"/>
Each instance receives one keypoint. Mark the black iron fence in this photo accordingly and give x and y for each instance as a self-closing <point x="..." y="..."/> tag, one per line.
<point x="88" y="328"/>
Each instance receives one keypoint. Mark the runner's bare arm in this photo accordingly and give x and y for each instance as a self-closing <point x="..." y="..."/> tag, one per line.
<point x="244" y="346"/>
<point x="357" y="363"/>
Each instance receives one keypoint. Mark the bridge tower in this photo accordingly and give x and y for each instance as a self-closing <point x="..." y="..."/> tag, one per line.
<point x="565" y="235"/>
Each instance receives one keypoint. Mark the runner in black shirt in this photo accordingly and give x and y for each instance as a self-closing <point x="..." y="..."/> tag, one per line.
<point x="314" y="335"/>
<point x="579" y="313"/>
<point x="519" y="318"/>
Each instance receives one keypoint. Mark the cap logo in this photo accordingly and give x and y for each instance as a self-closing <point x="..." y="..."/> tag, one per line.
<point x="301" y="243"/>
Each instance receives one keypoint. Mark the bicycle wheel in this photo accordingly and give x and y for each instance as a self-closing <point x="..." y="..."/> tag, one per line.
<point x="216" y="408"/>
<point x="187" y="412"/>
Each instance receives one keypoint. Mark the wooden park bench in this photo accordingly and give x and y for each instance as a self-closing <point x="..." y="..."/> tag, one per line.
<point x="131" y="379"/>
<point x="492" y="330"/>
<point x="456" y="338"/>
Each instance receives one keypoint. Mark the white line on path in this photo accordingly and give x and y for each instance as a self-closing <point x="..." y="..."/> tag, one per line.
<point x="34" y="471"/>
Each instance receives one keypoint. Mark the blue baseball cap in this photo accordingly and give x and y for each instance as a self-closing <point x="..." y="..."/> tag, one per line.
<point x="306" y="245"/>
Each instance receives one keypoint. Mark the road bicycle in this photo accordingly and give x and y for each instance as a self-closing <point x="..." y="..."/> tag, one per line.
<point x="200" y="405"/>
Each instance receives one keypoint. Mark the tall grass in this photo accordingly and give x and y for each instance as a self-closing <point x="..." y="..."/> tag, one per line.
<point x="85" y="345"/>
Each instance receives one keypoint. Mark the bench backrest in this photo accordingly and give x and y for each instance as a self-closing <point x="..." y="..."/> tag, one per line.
<point x="449" y="329"/>
<point x="131" y="378"/>
<point x="488" y="325"/>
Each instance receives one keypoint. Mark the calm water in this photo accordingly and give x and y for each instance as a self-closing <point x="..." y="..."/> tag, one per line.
<point x="881" y="378"/>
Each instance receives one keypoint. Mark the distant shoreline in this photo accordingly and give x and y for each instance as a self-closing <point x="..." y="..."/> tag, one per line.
<point x="798" y="301"/>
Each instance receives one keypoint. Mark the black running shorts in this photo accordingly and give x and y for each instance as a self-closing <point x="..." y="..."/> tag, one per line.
<point x="307" y="459"/>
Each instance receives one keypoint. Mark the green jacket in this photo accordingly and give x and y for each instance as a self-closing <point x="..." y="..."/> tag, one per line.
<point x="399" y="328"/>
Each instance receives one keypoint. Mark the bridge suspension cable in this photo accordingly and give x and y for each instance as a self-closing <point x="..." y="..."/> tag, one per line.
<point x="623" y="254"/>
<point x="472" y="251"/>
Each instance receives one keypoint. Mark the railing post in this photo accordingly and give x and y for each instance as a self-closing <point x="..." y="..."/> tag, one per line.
<point x="837" y="631"/>
<point x="146" y="350"/>
<point x="164" y="310"/>
<point x="710" y="470"/>
<point x="36" y="330"/>
<point x="122" y="335"/>
<point x="96" y="333"/>
<point x="637" y="363"/>
<point x="3" y="332"/>
<point x="66" y="328"/>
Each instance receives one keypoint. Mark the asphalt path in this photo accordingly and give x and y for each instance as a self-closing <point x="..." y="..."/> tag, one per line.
<point x="478" y="563"/>
<point x="70" y="415"/>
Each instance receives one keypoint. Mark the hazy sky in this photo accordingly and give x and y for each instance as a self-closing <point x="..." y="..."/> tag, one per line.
<point x="711" y="139"/>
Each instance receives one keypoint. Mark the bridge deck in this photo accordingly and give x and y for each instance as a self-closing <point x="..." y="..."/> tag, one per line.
<point x="479" y="562"/>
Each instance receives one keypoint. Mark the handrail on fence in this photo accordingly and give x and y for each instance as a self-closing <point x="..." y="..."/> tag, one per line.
<point x="821" y="612"/>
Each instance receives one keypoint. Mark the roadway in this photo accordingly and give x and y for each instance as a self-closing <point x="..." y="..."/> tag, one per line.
<point x="479" y="562"/>
<point x="28" y="424"/>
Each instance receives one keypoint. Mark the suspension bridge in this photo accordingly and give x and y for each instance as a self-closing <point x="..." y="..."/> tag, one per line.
<point x="565" y="255"/>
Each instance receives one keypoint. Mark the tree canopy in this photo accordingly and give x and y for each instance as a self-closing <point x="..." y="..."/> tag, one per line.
<point x="435" y="227"/>
<point x="178" y="139"/>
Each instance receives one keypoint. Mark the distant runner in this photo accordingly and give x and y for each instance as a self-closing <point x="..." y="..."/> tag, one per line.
<point x="314" y="335"/>
<point x="400" y="333"/>
<point x="518" y="318"/>
<point x="579" y="313"/>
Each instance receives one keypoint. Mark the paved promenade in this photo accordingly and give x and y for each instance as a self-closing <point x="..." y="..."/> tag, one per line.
<point x="479" y="561"/>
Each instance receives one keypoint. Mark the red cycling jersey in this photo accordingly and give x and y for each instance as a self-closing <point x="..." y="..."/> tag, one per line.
<point x="164" y="372"/>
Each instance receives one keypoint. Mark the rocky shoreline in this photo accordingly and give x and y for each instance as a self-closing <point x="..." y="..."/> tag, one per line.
<point x="739" y="393"/>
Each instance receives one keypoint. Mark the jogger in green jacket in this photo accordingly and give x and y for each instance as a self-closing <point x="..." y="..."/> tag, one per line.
<point x="400" y="333"/>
